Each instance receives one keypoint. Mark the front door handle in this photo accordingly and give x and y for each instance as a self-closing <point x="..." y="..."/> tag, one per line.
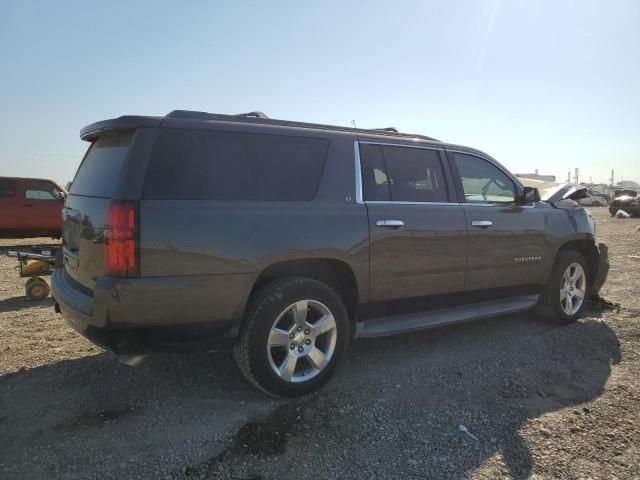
<point x="481" y="223"/>
<point x="390" y="223"/>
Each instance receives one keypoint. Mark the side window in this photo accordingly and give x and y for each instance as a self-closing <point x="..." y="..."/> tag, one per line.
<point x="217" y="165"/>
<point x="402" y="174"/>
<point x="39" y="190"/>
<point x="482" y="181"/>
<point x="375" y="182"/>
<point x="7" y="188"/>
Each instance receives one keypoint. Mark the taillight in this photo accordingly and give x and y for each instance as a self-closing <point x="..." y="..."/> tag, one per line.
<point x="120" y="239"/>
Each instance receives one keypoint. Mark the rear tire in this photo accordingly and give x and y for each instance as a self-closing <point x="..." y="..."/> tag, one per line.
<point x="564" y="297"/>
<point x="294" y="336"/>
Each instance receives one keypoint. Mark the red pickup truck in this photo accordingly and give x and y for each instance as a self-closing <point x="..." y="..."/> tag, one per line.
<point x="30" y="207"/>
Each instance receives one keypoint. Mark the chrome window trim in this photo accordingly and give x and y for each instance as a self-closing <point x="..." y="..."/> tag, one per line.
<point x="403" y="145"/>
<point x="356" y="151"/>
<point x="389" y="202"/>
<point x="358" y="180"/>
<point x="510" y="204"/>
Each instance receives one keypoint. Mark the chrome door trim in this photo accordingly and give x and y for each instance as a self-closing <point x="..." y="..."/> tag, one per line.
<point x="389" y="223"/>
<point x="482" y="223"/>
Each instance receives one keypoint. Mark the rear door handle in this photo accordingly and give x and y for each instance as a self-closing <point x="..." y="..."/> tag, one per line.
<point x="390" y="223"/>
<point x="481" y="223"/>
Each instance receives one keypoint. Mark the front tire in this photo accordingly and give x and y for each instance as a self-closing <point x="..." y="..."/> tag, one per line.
<point x="564" y="297"/>
<point x="295" y="334"/>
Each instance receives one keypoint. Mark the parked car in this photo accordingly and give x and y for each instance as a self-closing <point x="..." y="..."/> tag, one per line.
<point x="593" y="200"/>
<point x="626" y="203"/>
<point x="625" y="193"/>
<point x="30" y="207"/>
<point x="285" y="240"/>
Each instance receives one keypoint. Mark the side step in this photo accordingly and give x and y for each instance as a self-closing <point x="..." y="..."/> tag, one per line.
<point x="380" y="327"/>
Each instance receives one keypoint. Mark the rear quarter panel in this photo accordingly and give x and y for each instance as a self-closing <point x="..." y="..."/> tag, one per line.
<point x="217" y="238"/>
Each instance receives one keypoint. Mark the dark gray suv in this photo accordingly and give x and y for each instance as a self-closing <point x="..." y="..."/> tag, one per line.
<point x="284" y="240"/>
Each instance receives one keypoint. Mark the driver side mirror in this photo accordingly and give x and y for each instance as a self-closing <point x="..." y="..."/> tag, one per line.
<point x="528" y="195"/>
<point x="62" y="195"/>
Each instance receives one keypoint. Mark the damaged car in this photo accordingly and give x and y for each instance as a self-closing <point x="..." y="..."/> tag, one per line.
<point x="285" y="240"/>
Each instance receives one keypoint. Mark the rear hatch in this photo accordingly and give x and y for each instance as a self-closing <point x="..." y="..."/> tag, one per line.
<point x="97" y="183"/>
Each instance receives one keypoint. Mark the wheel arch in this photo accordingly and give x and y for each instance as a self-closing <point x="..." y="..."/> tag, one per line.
<point x="337" y="274"/>
<point x="587" y="248"/>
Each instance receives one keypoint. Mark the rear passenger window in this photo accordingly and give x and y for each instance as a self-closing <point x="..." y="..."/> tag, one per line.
<point x="214" y="165"/>
<point x="401" y="174"/>
<point x="7" y="188"/>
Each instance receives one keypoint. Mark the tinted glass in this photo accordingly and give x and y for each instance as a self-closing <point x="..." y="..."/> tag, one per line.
<point x="7" y="188"/>
<point x="213" y="165"/>
<point x="99" y="172"/>
<point x="483" y="182"/>
<point x="375" y="183"/>
<point x="39" y="190"/>
<point x="402" y="174"/>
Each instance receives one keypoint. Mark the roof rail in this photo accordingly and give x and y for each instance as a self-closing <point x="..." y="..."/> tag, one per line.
<point x="255" y="114"/>
<point x="261" y="118"/>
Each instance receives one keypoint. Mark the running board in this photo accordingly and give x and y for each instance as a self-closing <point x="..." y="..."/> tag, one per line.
<point x="380" y="327"/>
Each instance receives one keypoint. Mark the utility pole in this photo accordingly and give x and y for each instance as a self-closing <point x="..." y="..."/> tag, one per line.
<point x="569" y="176"/>
<point x="577" y="176"/>
<point x="612" y="179"/>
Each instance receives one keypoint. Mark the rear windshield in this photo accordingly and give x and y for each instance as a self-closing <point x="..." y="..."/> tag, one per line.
<point x="99" y="172"/>
<point x="214" y="165"/>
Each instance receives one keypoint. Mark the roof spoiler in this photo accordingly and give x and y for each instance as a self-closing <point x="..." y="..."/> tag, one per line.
<point x="128" y="122"/>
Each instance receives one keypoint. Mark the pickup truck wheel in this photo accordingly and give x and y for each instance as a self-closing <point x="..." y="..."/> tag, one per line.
<point x="295" y="334"/>
<point x="564" y="297"/>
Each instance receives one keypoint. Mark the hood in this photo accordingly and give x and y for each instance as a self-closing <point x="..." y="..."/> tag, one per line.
<point x="554" y="192"/>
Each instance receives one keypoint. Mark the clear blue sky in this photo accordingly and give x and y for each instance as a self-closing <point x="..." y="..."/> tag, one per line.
<point x="551" y="85"/>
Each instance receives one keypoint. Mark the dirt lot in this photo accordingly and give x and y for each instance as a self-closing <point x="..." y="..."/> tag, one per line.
<point x="543" y="401"/>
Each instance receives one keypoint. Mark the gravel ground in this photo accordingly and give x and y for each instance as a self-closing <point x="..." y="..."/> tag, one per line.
<point x="543" y="401"/>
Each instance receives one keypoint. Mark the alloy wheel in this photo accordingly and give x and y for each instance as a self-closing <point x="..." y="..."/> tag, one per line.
<point x="573" y="288"/>
<point x="302" y="341"/>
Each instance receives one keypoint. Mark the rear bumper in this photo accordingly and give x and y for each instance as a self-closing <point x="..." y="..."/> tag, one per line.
<point x="78" y="309"/>
<point x="602" y="269"/>
<point x="145" y="315"/>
